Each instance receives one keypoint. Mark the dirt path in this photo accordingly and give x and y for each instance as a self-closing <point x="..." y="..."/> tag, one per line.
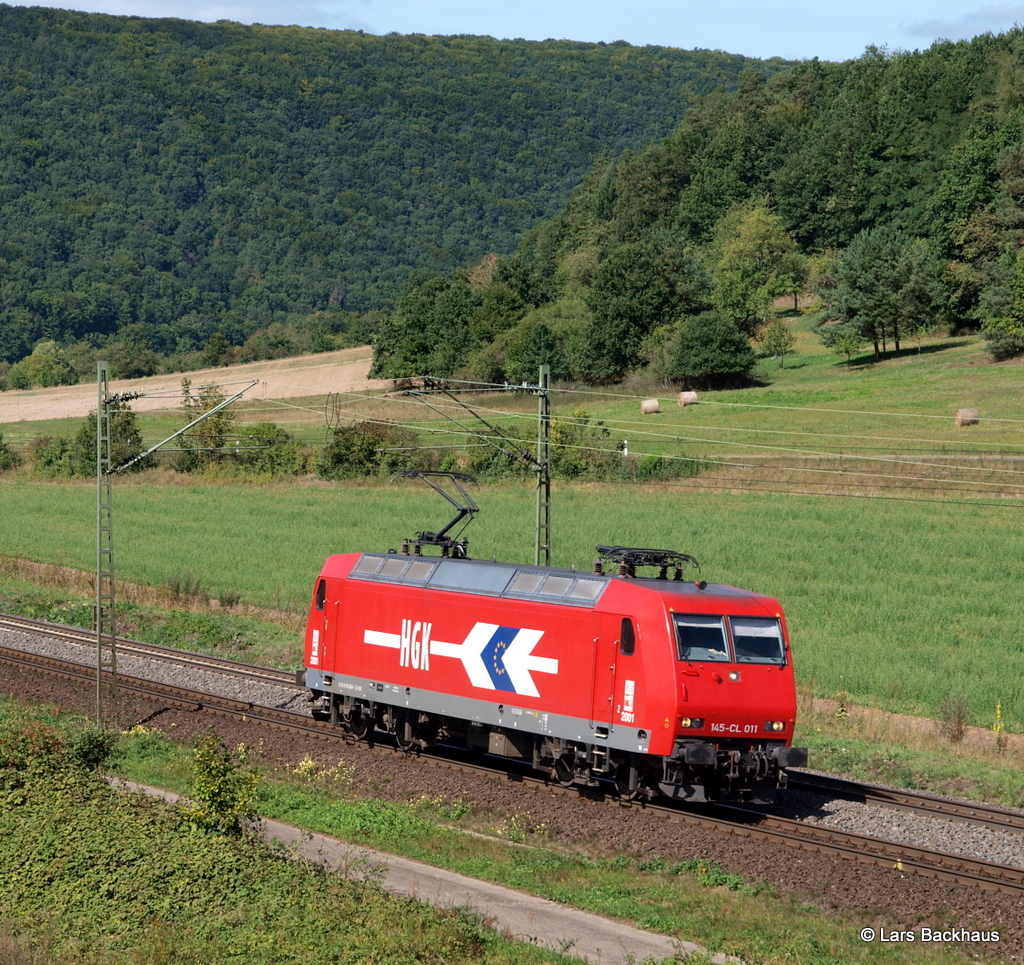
<point x="301" y="377"/>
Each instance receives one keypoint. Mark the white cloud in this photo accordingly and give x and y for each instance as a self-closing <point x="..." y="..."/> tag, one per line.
<point x="995" y="18"/>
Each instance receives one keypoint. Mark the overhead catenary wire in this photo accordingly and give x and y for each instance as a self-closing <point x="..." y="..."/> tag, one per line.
<point x="674" y="436"/>
<point x="781" y="450"/>
<point x="841" y="447"/>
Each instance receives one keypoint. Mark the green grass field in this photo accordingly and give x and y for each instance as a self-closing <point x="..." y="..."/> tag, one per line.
<point x="900" y="582"/>
<point x="900" y="604"/>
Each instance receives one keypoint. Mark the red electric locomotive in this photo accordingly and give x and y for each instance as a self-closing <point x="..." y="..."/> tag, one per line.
<point x="658" y="684"/>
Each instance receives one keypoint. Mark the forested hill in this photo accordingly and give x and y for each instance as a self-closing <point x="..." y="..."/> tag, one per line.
<point x="173" y="180"/>
<point x="891" y="185"/>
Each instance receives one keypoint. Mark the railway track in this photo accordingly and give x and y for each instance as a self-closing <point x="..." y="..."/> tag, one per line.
<point x="879" y="852"/>
<point x="913" y="801"/>
<point x="182" y="658"/>
<point x="183" y="698"/>
<point x="900" y="858"/>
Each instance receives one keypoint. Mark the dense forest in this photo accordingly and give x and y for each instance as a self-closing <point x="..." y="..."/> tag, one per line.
<point x="891" y="186"/>
<point x="169" y="187"/>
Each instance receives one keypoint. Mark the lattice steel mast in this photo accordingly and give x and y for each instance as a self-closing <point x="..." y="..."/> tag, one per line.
<point x="106" y="639"/>
<point x="106" y="642"/>
<point x="543" y="468"/>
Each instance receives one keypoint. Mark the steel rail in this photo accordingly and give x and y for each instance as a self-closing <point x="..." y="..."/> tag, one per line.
<point x="918" y="802"/>
<point x="180" y="697"/>
<point x="184" y="658"/>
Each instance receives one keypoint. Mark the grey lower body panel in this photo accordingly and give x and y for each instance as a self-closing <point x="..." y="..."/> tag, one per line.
<point x="490" y="713"/>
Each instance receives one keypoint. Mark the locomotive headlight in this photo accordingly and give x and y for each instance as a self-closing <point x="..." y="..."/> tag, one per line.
<point x="691" y="722"/>
<point x="775" y="725"/>
<point x="734" y="675"/>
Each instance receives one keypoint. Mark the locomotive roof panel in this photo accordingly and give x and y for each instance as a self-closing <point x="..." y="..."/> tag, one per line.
<point x="508" y="580"/>
<point x="579" y="588"/>
<point x="686" y="587"/>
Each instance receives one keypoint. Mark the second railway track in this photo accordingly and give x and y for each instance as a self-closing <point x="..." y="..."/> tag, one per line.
<point x="126" y="648"/>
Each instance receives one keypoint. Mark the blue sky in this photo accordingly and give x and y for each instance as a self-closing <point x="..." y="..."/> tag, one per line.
<point x="798" y="29"/>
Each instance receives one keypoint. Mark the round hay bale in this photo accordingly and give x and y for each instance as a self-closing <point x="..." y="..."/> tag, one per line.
<point x="649" y="406"/>
<point x="967" y="417"/>
<point x="687" y="398"/>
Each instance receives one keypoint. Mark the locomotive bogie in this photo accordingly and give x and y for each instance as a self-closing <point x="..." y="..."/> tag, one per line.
<point x="654" y="686"/>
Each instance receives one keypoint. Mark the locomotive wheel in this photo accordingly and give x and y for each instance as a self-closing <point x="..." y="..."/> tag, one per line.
<point x="356" y="724"/>
<point x="627" y="782"/>
<point x="563" y="771"/>
<point x="405" y="734"/>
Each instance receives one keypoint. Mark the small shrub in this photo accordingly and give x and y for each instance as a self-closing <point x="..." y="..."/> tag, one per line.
<point x="497" y="457"/>
<point x="23" y="743"/>
<point x="9" y="459"/>
<point x="366" y="449"/>
<point x="187" y="586"/>
<point x="1002" y="345"/>
<point x="953" y="719"/>
<point x="53" y="456"/>
<point x="223" y="789"/>
<point x="267" y="450"/>
<point x="92" y="748"/>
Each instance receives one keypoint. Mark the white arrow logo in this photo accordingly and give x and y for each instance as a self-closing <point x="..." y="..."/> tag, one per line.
<point x="495" y="657"/>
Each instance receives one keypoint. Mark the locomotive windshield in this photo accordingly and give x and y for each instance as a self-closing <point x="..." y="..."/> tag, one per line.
<point x="702" y="638"/>
<point x="757" y="640"/>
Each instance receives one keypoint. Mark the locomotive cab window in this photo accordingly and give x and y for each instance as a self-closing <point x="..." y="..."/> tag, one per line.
<point x="757" y="640"/>
<point x="321" y="594"/>
<point x="701" y="638"/>
<point x="627" y="638"/>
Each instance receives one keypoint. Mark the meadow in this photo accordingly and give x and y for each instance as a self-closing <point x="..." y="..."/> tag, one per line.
<point x="890" y="535"/>
<point x="898" y="604"/>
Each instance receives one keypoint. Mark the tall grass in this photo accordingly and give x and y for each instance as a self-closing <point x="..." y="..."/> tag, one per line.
<point x="903" y="605"/>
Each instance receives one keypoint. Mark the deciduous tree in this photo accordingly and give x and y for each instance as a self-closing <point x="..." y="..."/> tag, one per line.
<point x="777" y="341"/>
<point x="759" y="262"/>
<point x="711" y="353"/>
